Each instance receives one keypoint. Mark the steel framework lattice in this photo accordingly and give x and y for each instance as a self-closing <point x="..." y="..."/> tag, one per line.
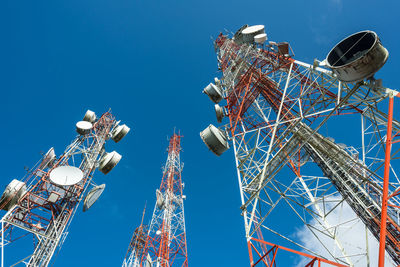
<point x="288" y="171"/>
<point x="165" y="242"/>
<point x="46" y="210"/>
<point x="136" y="246"/>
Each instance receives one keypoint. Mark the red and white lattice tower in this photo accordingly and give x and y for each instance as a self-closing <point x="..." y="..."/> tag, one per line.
<point x="43" y="203"/>
<point x="136" y="246"/>
<point x="165" y="243"/>
<point x="293" y="178"/>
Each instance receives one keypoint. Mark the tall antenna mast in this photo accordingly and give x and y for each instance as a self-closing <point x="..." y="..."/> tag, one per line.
<point x="277" y="107"/>
<point x="165" y="243"/>
<point x="44" y="202"/>
<point x="136" y="246"/>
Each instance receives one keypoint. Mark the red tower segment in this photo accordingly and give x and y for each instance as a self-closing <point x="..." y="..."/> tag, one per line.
<point x="165" y="243"/>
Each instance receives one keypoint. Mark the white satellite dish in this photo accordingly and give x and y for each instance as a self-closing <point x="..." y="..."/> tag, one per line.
<point x="260" y="38"/>
<point x="250" y="32"/>
<point x="357" y="57"/>
<point x="158" y="232"/>
<point x="215" y="139"/>
<point x="214" y="92"/>
<point x="160" y="199"/>
<point x="90" y="116"/>
<point x="12" y="194"/>
<point x="109" y="161"/>
<point x="119" y="132"/>
<point x="83" y="127"/>
<point x="253" y="29"/>
<point x="48" y="159"/>
<point x="219" y="112"/>
<point x="66" y="175"/>
<point x="93" y="196"/>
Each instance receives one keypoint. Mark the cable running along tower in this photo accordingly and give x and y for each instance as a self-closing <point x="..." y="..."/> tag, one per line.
<point x="43" y="203"/>
<point x="164" y="244"/>
<point x="289" y="169"/>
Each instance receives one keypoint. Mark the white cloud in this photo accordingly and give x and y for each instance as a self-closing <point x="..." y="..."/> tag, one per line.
<point x="352" y="236"/>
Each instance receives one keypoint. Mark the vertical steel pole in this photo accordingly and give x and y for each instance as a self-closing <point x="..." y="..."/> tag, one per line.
<point x="382" y="240"/>
<point x="364" y="175"/>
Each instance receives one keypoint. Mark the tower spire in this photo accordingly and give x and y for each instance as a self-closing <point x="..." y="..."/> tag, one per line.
<point x="165" y="243"/>
<point x="136" y="245"/>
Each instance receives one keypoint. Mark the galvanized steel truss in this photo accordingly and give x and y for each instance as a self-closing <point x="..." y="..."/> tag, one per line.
<point x="165" y="244"/>
<point x="48" y="221"/>
<point x="276" y="107"/>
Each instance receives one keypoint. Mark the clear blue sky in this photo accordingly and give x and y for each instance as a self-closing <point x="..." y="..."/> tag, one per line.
<point x="149" y="61"/>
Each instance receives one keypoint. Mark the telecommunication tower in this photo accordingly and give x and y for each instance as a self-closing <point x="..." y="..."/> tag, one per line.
<point x="288" y="170"/>
<point x="44" y="202"/>
<point x="165" y="242"/>
<point x="136" y="246"/>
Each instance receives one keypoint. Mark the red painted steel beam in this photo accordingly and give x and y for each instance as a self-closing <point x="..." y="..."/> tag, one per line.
<point x="382" y="241"/>
<point x="301" y="253"/>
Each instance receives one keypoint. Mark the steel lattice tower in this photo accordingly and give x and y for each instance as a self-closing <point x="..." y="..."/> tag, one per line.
<point x="165" y="242"/>
<point x="287" y="169"/>
<point x="136" y="246"/>
<point x="43" y="207"/>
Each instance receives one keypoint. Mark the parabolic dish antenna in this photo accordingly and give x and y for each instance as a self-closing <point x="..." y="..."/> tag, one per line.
<point x="215" y="139"/>
<point x="213" y="92"/>
<point x="357" y="57"/>
<point x="160" y="199"/>
<point x="250" y="32"/>
<point x="83" y="127"/>
<point x="48" y="159"/>
<point x="260" y="38"/>
<point x="66" y="175"/>
<point x="219" y="111"/>
<point x="119" y="132"/>
<point x="13" y="192"/>
<point x="109" y="161"/>
<point x="253" y="29"/>
<point x="93" y="196"/>
<point x="90" y="116"/>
